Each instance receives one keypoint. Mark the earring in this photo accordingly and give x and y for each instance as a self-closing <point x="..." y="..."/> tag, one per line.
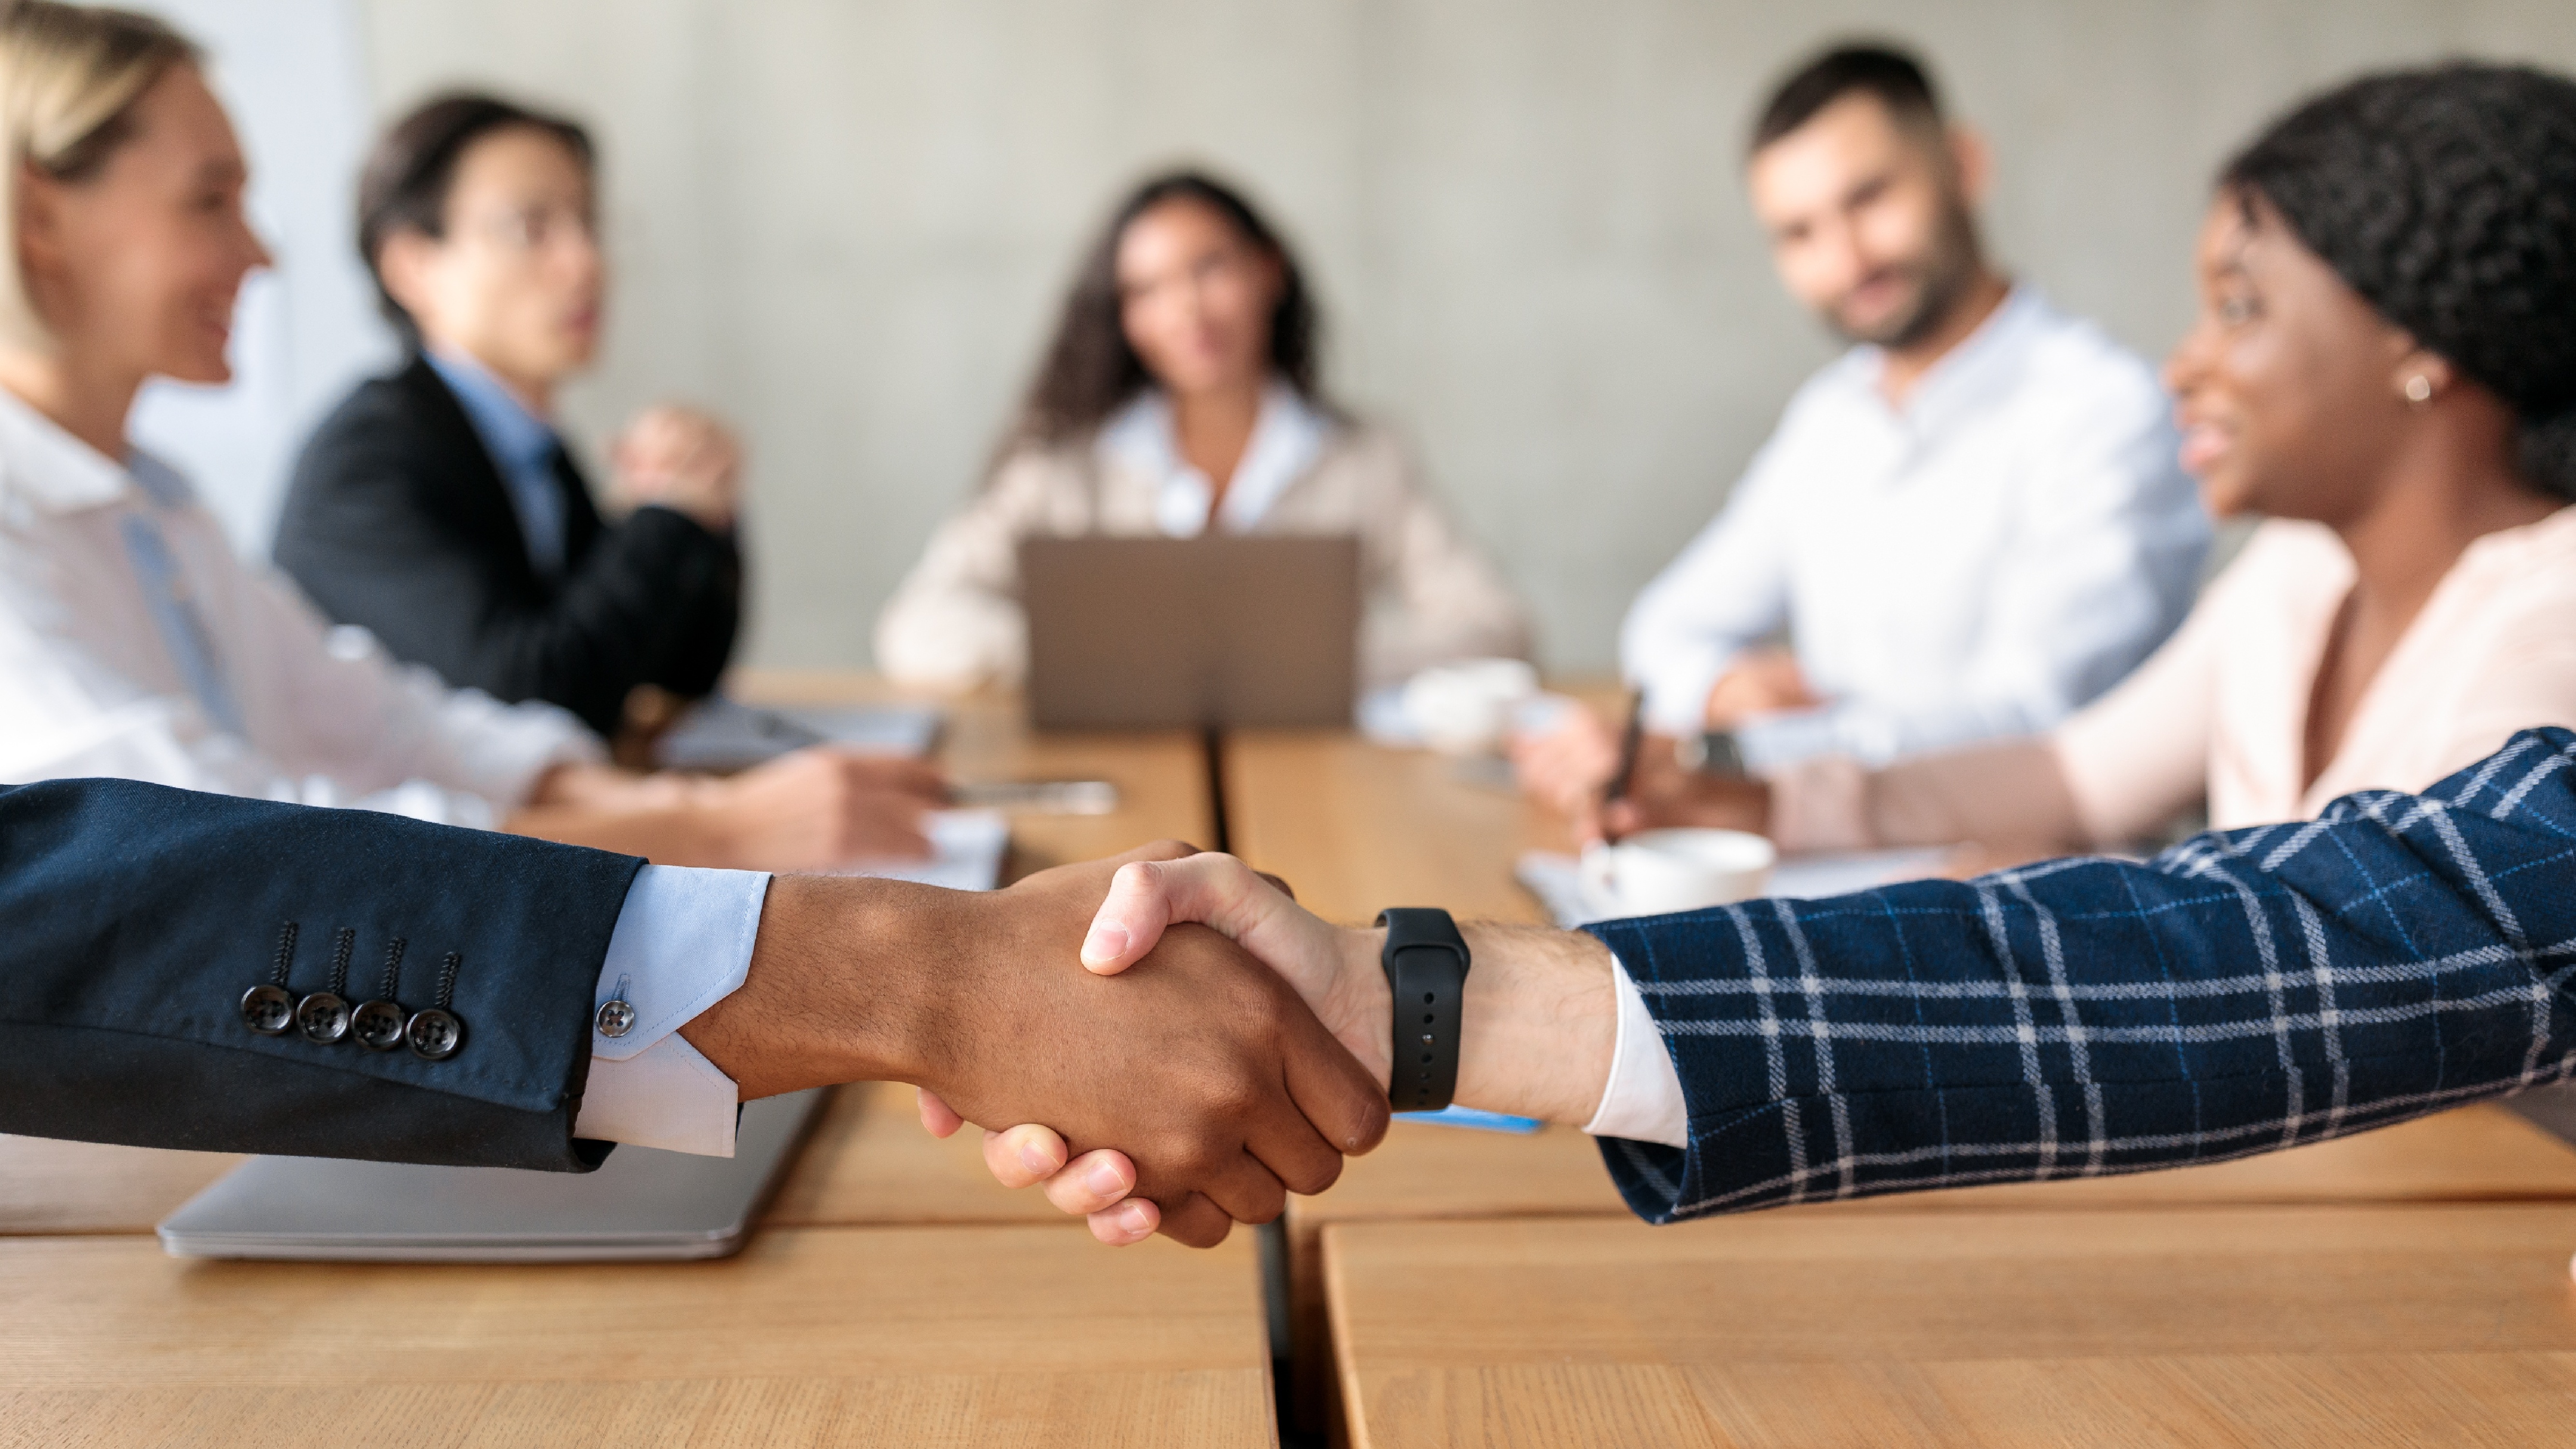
<point x="2419" y="389"/>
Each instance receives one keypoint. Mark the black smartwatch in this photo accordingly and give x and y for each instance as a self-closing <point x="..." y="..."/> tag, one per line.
<point x="1426" y="973"/>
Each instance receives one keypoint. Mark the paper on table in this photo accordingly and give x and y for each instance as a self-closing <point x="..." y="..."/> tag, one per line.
<point x="1556" y="878"/>
<point x="966" y="852"/>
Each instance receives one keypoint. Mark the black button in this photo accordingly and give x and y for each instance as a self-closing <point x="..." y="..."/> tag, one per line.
<point x="434" y="1035"/>
<point x="267" y="1009"/>
<point x="378" y="1026"/>
<point x="322" y="1017"/>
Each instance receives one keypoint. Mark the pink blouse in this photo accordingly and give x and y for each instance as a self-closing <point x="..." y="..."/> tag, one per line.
<point x="2222" y="709"/>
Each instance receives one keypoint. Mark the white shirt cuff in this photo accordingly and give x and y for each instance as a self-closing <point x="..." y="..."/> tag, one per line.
<point x="1643" y="1102"/>
<point x="682" y="943"/>
<point x="1677" y="690"/>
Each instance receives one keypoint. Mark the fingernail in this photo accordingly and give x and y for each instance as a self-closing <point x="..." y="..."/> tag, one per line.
<point x="1132" y="1220"/>
<point x="1104" y="945"/>
<point x="1037" y="1159"/>
<point x="1105" y="1179"/>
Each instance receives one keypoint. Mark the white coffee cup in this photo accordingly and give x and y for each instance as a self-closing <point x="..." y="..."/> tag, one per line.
<point x="1467" y="708"/>
<point x="1658" y="872"/>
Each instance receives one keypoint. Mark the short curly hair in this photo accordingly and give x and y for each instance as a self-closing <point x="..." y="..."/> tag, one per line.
<point x="2446" y="197"/>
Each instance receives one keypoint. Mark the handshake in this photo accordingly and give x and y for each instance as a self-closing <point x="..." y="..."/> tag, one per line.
<point x="1164" y="1040"/>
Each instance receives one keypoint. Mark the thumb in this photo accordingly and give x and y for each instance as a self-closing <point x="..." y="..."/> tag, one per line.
<point x="1145" y="896"/>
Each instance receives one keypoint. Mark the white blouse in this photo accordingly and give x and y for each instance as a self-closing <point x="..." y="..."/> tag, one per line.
<point x="1431" y="597"/>
<point x="133" y="644"/>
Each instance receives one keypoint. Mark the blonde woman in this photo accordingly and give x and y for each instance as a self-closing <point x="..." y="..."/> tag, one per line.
<point x="133" y="644"/>
<point x="1179" y="398"/>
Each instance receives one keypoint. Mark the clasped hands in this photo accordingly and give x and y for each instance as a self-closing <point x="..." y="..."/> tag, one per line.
<point x="1155" y="896"/>
<point x="1214" y="1080"/>
<point x="1195" y="1044"/>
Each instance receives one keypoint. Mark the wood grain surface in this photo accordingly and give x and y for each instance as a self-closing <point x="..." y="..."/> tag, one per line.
<point x="869" y="1162"/>
<point x="2274" y="1326"/>
<point x="90" y="1187"/>
<point x="1355" y="827"/>
<point x="2481" y="1153"/>
<point x="948" y="1336"/>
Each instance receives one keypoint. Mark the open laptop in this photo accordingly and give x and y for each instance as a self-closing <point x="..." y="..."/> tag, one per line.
<point x="640" y="1205"/>
<point x="1160" y="632"/>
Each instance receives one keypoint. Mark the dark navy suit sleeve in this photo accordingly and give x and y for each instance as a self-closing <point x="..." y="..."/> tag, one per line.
<point x="133" y="918"/>
<point x="2244" y="991"/>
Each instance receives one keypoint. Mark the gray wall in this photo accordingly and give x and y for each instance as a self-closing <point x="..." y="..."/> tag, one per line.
<point x="844" y="222"/>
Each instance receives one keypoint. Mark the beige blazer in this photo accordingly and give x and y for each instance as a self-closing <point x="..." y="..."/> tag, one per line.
<point x="1429" y="596"/>
<point x="2220" y="712"/>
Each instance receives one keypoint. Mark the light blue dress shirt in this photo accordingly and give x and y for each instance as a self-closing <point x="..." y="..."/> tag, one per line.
<point x="165" y="585"/>
<point x="523" y="448"/>
<point x="683" y="940"/>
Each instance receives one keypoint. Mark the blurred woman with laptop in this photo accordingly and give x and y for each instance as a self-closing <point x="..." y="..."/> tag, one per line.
<point x="1179" y="398"/>
<point x="2384" y="369"/>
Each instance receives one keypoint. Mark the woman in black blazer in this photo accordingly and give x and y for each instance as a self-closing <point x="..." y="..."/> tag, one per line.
<point x="437" y="507"/>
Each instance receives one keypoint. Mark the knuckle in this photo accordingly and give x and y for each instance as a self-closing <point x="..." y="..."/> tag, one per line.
<point x="1232" y="1096"/>
<point x="1316" y="1177"/>
<point x="1205" y="1232"/>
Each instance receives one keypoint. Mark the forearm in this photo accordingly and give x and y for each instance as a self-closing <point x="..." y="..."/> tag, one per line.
<point x="2010" y="793"/>
<point x="833" y="940"/>
<point x="1538" y="1023"/>
<point x="2246" y="991"/>
<point x="668" y="819"/>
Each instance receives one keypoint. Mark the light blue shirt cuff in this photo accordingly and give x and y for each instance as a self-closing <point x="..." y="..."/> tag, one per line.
<point x="682" y="943"/>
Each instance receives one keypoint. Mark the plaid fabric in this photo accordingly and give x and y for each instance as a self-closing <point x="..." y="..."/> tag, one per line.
<point x="2244" y="991"/>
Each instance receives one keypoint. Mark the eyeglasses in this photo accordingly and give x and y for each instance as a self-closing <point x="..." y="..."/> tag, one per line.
<point x="538" y="227"/>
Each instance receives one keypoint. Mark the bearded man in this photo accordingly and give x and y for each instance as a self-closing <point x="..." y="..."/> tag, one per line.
<point x="1966" y="526"/>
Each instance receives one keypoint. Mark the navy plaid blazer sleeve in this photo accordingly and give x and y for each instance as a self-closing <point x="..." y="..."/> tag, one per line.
<point x="2244" y="991"/>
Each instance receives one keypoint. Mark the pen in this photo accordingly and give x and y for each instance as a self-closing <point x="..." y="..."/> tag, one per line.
<point x="1628" y="745"/>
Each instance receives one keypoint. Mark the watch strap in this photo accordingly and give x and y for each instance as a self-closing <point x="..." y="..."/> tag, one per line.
<point x="1426" y="976"/>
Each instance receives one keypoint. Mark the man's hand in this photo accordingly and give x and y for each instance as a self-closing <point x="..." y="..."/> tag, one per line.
<point x="1661" y="794"/>
<point x="1761" y="681"/>
<point x="1334" y="971"/>
<point x="820" y="808"/>
<point x="1566" y="767"/>
<point x="1538" y="1029"/>
<point x="1220" y="1086"/>
<point x="682" y="459"/>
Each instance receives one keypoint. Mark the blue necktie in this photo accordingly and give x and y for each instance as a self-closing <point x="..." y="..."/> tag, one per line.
<point x="183" y="629"/>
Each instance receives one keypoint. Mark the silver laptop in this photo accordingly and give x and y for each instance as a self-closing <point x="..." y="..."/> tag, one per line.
<point x="1199" y="632"/>
<point x="640" y="1205"/>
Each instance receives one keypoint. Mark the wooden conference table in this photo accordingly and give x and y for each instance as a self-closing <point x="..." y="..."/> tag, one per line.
<point x="2408" y="1286"/>
<point x="1455" y="1288"/>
